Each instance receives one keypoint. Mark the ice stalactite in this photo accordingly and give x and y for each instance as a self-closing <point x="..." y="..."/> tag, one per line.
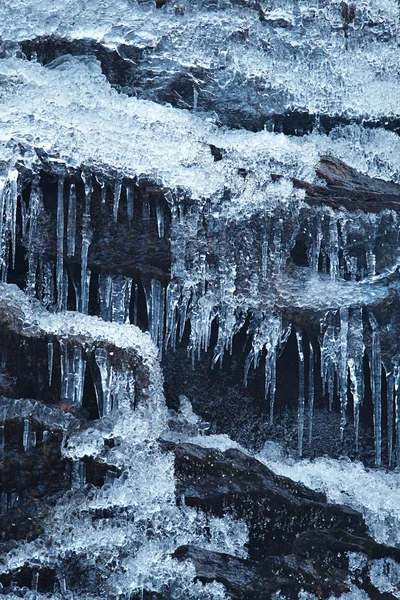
<point x="376" y="387"/>
<point x="60" y="243"/>
<point x="333" y="247"/>
<point x="267" y="332"/>
<point x="390" y="379"/>
<point x="130" y="203"/>
<point x="396" y="374"/>
<point x="103" y="391"/>
<point x="115" y="297"/>
<point x="315" y="246"/>
<point x="173" y="299"/>
<point x="73" y="368"/>
<point x="34" y="209"/>
<point x="370" y="250"/>
<point x="71" y="221"/>
<point x="356" y="349"/>
<point x="343" y="367"/>
<point x="8" y="220"/>
<point x="301" y="393"/>
<point x="115" y="387"/>
<point x="311" y="391"/>
<point x="50" y="358"/>
<point x="117" y="197"/>
<point x="86" y="241"/>
<point x="342" y="352"/>
<point x="160" y="216"/>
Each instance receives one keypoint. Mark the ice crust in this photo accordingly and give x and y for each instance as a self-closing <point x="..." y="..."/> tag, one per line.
<point x="372" y="492"/>
<point x="276" y="50"/>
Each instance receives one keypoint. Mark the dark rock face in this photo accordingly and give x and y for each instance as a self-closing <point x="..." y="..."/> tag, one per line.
<point x="296" y="540"/>
<point x="275" y="509"/>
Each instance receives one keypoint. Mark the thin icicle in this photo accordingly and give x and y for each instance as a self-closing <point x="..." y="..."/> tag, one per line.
<point x="105" y="287"/>
<point x="376" y="388"/>
<point x="135" y="304"/>
<point x="397" y="411"/>
<point x="117" y="196"/>
<point x="300" y="417"/>
<point x="311" y="392"/>
<point x="13" y="214"/>
<point x="343" y="369"/>
<point x="356" y="350"/>
<point x="103" y="363"/>
<point x="160" y="216"/>
<point x="172" y="301"/>
<point x="390" y="402"/>
<point x="71" y="222"/>
<point x="50" y="356"/>
<point x="130" y="203"/>
<point x="316" y="245"/>
<point x="26" y="435"/>
<point x="86" y="241"/>
<point x="60" y="243"/>
<point x="333" y="247"/>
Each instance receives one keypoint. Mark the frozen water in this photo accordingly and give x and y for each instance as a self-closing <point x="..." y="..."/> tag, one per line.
<point x="372" y="492"/>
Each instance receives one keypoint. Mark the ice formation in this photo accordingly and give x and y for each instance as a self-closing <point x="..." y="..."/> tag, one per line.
<point x="215" y="179"/>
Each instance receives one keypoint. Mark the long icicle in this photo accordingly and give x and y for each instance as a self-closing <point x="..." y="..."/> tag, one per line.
<point x="300" y="418"/>
<point x="71" y="222"/>
<point x="311" y="392"/>
<point x="376" y="388"/>
<point x="60" y="243"/>
<point x="86" y="240"/>
<point x="390" y="400"/>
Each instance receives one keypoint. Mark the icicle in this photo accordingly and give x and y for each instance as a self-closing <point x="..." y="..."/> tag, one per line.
<point x="172" y="301"/>
<point x="355" y="363"/>
<point x="300" y="421"/>
<point x="105" y="286"/>
<point x="26" y="436"/>
<point x="376" y="388"/>
<point x="135" y="304"/>
<point x="120" y="298"/>
<point x="60" y="243"/>
<point x="35" y="581"/>
<point x="71" y="222"/>
<point x="13" y="214"/>
<point x="50" y="355"/>
<point x="311" y="389"/>
<point x="24" y="214"/>
<point x="157" y="312"/>
<point x="130" y="203"/>
<point x="79" y="368"/>
<point x="73" y="366"/>
<point x="343" y="368"/>
<point x="397" y="411"/>
<point x="316" y="245"/>
<point x="160" y="215"/>
<point x="390" y="400"/>
<point x="370" y="251"/>
<point x="86" y="241"/>
<point x="2" y="438"/>
<point x="117" y="196"/>
<point x="103" y="363"/>
<point x="333" y="247"/>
